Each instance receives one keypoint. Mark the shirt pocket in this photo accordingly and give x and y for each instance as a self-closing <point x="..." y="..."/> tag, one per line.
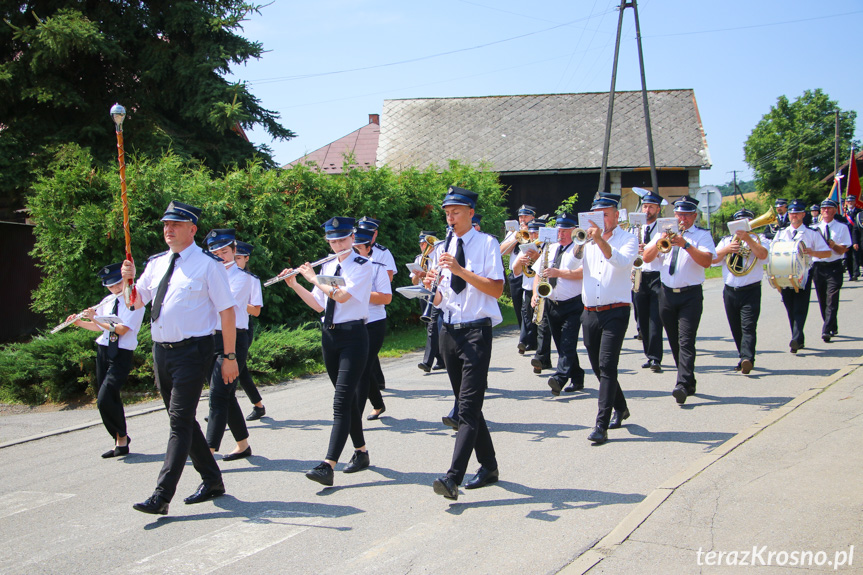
<point x="189" y="293"/>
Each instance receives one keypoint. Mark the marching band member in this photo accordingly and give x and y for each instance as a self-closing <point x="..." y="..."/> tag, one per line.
<point x="606" y="293"/>
<point x="829" y="271"/>
<point x="646" y="299"/>
<point x="344" y="341"/>
<point x="190" y="294"/>
<point x="680" y="299"/>
<point x="472" y="280"/>
<point x="476" y="222"/>
<point x="742" y="293"/>
<point x="376" y="325"/>
<point x="814" y="216"/>
<point x="253" y="308"/>
<point x="511" y="248"/>
<point x="782" y="220"/>
<point x="563" y="306"/>
<point x="519" y="264"/>
<point x="852" y="256"/>
<point x="384" y="255"/>
<point x="431" y="357"/>
<point x="797" y="302"/>
<point x="114" y="350"/>
<point x="224" y="407"/>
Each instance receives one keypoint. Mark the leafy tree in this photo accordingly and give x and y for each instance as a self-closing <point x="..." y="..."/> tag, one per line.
<point x="746" y="187"/>
<point x="792" y="147"/>
<point x="63" y="63"/>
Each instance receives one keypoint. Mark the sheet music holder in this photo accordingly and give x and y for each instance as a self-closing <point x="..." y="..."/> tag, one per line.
<point x="331" y="281"/>
<point x="413" y="292"/>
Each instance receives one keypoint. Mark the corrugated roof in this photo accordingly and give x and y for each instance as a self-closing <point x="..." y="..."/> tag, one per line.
<point x="546" y="132"/>
<point x="363" y="143"/>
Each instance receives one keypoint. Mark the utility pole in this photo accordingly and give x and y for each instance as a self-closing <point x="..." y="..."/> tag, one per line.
<point x="737" y="191"/>
<point x="610" y="115"/>
<point x="836" y="147"/>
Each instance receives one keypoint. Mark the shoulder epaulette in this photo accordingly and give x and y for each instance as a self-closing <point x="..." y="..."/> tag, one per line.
<point x="380" y="247"/>
<point x="248" y="272"/>
<point x="700" y="228"/>
<point x="378" y="263"/>
<point x="214" y="256"/>
<point x="360" y="260"/>
<point x="154" y="256"/>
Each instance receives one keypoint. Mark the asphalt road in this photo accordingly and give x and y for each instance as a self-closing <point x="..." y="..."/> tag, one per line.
<point x="65" y="510"/>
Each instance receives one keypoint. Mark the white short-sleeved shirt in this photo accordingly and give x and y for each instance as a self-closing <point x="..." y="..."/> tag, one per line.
<point x="198" y="290"/>
<point x="482" y="257"/>
<point x="753" y="277"/>
<point x="357" y="272"/>
<point x="811" y="238"/>
<point x="242" y="286"/>
<point x="385" y="257"/>
<point x="381" y="284"/>
<point x="687" y="272"/>
<point x="839" y="233"/>
<point x="526" y="282"/>
<point x="565" y="288"/>
<point x="129" y="318"/>
<point x="655" y="265"/>
<point x="608" y="281"/>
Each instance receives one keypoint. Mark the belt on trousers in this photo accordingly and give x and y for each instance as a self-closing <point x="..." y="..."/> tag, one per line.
<point x="744" y="288"/>
<point x="219" y="332"/>
<point x="837" y="263"/>
<point x="683" y="289"/>
<point x="485" y="322"/>
<point x="606" y="307"/>
<point x="345" y="324"/>
<point x="182" y="342"/>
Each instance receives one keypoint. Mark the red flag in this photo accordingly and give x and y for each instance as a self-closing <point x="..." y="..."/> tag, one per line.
<point x="853" y="186"/>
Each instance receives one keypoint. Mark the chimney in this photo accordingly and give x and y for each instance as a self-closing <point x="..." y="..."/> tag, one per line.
<point x="375" y="119"/>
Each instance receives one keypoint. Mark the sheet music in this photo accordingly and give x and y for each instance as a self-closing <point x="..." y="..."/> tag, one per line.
<point x="638" y="219"/>
<point x="414" y="268"/>
<point x="331" y="280"/>
<point x="735" y="225"/>
<point x="511" y="225"/>
<point x="622" y="215"/>
<point x="548" y="235"/>
<point x="584" y="219"/>
<point x="662" y="225"/>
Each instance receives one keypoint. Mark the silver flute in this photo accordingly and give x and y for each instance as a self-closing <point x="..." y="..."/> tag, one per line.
<point x="108" y="299"/>
<point x="320" y="262"/>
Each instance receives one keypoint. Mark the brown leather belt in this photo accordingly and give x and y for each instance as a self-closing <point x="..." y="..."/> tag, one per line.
<point x="606" y="307"/>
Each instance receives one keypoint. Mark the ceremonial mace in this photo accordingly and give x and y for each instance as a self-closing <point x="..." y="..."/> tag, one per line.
<point x="118" y="114"/>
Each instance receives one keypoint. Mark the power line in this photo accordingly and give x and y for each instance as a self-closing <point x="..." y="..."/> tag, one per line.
<point x="754" y="25"/>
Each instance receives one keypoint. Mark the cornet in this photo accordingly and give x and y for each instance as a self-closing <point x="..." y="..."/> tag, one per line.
<point x="664" y="244"/>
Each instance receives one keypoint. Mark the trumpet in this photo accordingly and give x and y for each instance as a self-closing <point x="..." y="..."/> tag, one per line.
<point x="320" y="262"/>
<point x="664" y="244"/>
<point x="424" y="258"/>
<point x="522" y="237"/>
<point x="108" y="299"/>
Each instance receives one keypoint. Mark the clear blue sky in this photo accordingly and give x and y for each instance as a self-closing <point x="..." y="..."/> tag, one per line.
<point x="738" y="56"/>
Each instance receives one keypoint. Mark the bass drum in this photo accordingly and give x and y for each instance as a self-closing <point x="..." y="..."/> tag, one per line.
<point x="787" y="265"/>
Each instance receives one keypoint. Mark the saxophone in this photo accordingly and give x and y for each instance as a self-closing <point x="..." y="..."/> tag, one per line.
<point x="543" y="289"/>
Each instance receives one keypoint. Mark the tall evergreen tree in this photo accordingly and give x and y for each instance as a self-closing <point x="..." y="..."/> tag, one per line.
<point x="63" y="63"/>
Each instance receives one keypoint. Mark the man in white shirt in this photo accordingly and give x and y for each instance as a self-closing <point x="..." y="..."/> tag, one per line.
<point x="646" y="299"/>
<point x="606" y="292"/>
<point x="797" y="301"/>
<point x="510" y="246"/>
<point x="742" y="293"/>
<point x="563" y="306"/>
<point x="829" y="272"/>
<point x="190" y="293"/>
<point x="472" y="280"/>
<point x="680" y="299"/>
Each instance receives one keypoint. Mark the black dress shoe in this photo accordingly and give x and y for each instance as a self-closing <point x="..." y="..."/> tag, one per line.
<point x="205" y="492"/>
<point x="118" y="450"/>
<point x="247" y="452"/>
<point x="746" y="366"/>
<point x="521" y="348"/>
<point x="424" y="366"/>
<point x="555" y="386"/>
<point x="482" y="478"/>
<point x="794" y="345"/>
<point x="679" y="393"/>
<point x="438" y="367"/>
<point x="446" y="486"/>
<point x="537" y="365"/>
<point x="617" y="419"/>
<point x="573" y="387"/>
<point x="450" y="422"/>
<point x="256" y="413"/>
<point x="655" y="366"/>
<point x="323" y="474"/>
<point x="154" y="505"/>
<point x="598" y="436"/>
<point x="373" y="416"/>
<point x="826" y="338"/>
<point x="647" y="364"/>
<point x="358" y="462"/>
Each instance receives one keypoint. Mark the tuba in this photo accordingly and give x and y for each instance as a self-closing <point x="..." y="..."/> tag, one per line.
<point x="743" y="262"/>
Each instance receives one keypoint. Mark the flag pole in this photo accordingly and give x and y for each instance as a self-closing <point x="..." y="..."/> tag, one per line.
<point x="118" y="114"/>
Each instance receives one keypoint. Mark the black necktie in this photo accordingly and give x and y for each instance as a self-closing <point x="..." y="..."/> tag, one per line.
<point x="156" y="310"/>
<point x="827" y="228"/>
<point x="331" y="303"/>
<point x="672" y="267"/>
<point x="113" y="338"/>
<point x="458" y="284"/>
<point x="647" y="234"/>
<point x="556" y="263"/>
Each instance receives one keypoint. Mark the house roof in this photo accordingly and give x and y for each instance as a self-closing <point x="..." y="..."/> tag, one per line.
<point x="363" y="143"/>
<point x="546" y="132"/>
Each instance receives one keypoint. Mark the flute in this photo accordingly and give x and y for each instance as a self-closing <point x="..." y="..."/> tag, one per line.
<point x="320" y="262"/>
<point x="108" y="299"/>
